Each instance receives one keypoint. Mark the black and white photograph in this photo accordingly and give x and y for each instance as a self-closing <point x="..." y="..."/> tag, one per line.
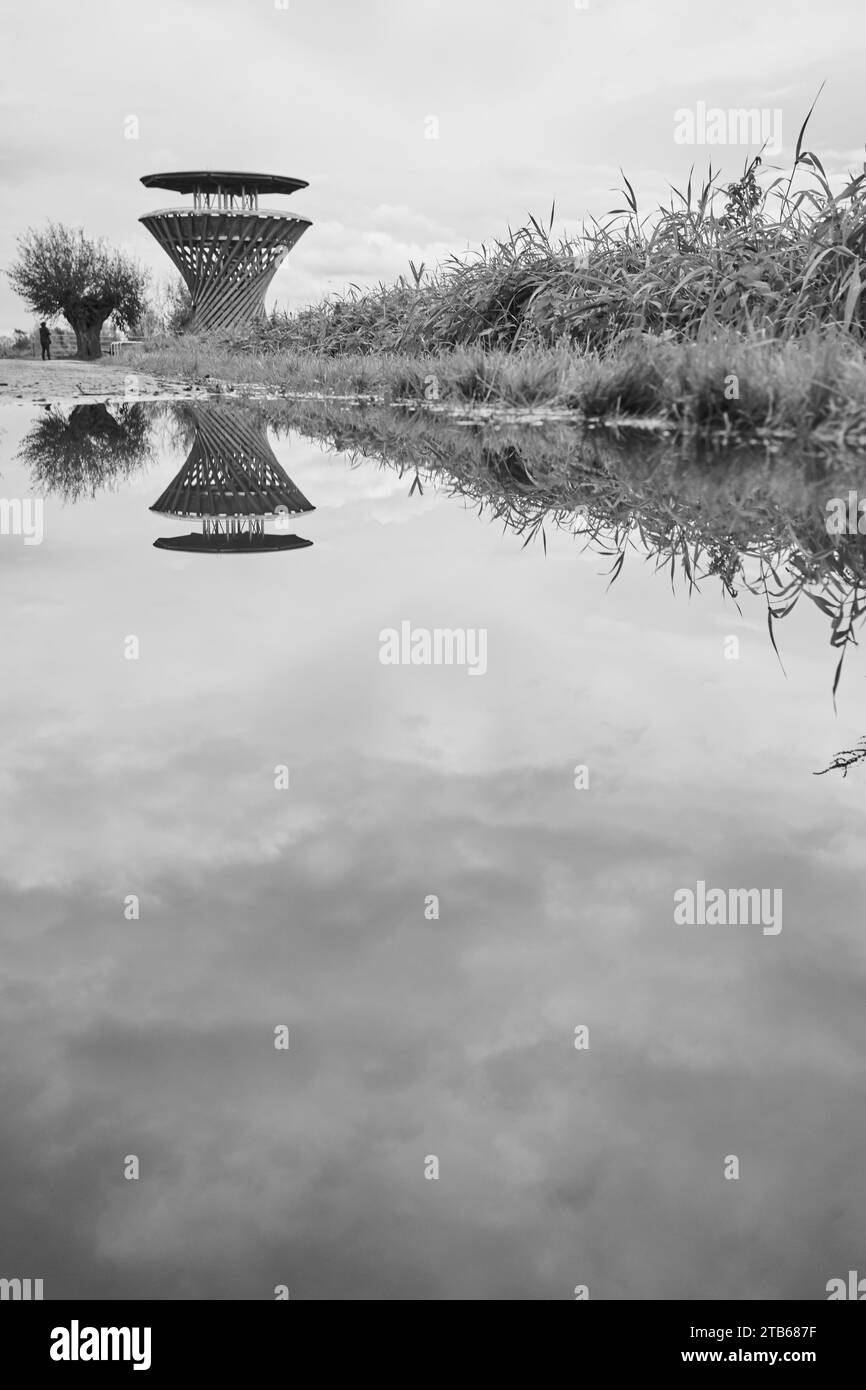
<point x="432" y="599"/>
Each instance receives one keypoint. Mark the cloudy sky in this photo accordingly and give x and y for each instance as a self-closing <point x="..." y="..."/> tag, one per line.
<point x="533" y="102"/>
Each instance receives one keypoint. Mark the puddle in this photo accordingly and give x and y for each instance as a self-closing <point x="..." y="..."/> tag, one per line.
<point x="233" y="806"/>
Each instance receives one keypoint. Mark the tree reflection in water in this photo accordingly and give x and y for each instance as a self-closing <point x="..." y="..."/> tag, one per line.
<point x="75" y="454"/>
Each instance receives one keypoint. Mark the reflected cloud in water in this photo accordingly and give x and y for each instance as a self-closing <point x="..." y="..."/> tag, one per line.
<point x="305" y="908"/>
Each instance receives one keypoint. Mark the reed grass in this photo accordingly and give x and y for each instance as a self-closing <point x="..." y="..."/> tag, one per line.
<point x="783" y="255"/>
<point x="762" y="281"/>
<point x="816" y="382"/>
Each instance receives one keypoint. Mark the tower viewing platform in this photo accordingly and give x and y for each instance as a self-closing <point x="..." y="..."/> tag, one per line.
<point x="227" y="248"/>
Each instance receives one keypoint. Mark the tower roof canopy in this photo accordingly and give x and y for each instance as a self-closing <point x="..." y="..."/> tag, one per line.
<point x="209" y="180"/>
<point x="221" y="544"/>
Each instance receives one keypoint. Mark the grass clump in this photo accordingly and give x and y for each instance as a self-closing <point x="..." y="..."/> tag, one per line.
<point x="737" y="309"/>
<point x="774" y="258"/>
<point x="723" y="381"/>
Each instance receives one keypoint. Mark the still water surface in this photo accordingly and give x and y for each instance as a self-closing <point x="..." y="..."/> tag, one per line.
<point x="410" y="1037"/>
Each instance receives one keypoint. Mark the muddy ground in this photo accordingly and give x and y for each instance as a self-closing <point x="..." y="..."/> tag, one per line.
<point x="68" y="380"/>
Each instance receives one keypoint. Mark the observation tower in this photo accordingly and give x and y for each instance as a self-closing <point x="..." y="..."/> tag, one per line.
<point x="226" y="247"/>
<point x="233" y="482"/>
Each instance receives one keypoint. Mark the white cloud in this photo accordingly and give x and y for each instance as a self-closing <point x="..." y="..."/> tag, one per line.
<point x="533" y="104"/>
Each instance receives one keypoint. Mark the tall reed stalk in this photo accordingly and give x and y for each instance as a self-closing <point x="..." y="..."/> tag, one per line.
<point x="759" y="257"/>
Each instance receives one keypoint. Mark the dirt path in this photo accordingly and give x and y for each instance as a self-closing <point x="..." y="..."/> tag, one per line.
<point x="26" y="379"/>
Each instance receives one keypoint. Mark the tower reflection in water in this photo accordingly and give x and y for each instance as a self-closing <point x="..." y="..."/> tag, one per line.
<point x="234" y="483"/>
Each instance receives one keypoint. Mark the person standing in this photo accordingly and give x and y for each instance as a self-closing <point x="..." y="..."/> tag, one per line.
<point x="45" y="340"/>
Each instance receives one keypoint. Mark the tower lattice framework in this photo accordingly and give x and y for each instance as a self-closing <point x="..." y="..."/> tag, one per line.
<point x="232" y="481"/>
<point x="226" y="248"/>
<point x="231" y="470"/>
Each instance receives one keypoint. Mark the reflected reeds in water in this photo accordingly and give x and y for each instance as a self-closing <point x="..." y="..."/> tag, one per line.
<point x="752" y="521"/>
<point x="846" y="759"/>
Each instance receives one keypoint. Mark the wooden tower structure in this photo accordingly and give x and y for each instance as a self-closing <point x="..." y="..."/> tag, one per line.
<point x="233" y="481"/>
<point x="225" y="246"/>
